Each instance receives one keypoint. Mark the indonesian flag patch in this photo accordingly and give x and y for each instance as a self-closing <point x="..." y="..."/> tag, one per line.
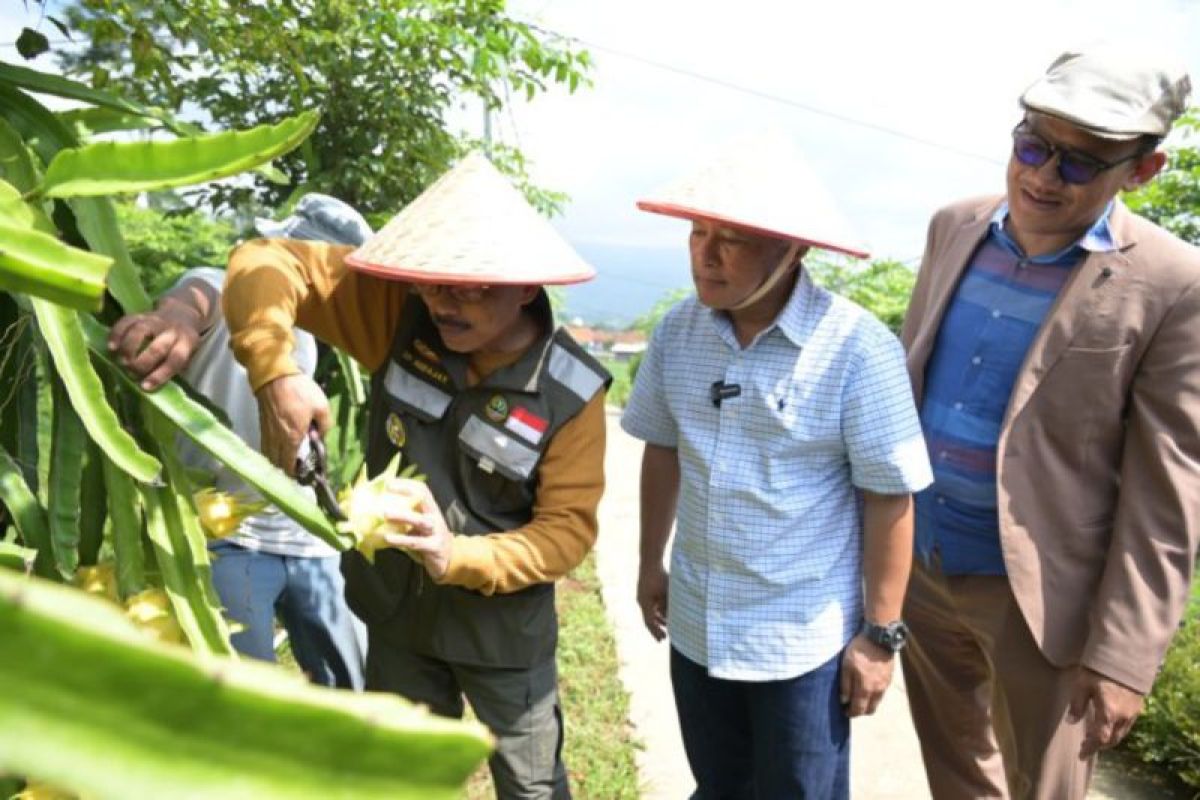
<point x="526" y="424"/>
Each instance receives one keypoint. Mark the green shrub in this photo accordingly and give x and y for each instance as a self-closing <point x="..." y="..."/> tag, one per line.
<point x="881" y="287"/>
<point x="618" y="393"/>
<point x="163" y="245"/>
<point x="1168" y="732"/>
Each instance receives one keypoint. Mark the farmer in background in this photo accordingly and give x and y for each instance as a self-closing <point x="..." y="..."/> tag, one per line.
<point x="1054" y="346"/>
<point x="499" y="409"/>
<point x="782" y="441"/>
<point x="269" y="565"/>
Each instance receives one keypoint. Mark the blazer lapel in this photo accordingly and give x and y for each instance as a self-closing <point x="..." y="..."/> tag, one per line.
<point x="957" y="256"/>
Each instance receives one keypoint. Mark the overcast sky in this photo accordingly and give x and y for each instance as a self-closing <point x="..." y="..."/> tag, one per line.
<point x="900" y="107"/>
<point x="943" y="71"/>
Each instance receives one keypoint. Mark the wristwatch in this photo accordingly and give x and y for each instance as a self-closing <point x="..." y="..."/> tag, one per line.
<point x="891" y="637"/>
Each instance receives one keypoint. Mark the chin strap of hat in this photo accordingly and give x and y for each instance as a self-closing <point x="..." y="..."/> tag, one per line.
<point x="785" y="267"/>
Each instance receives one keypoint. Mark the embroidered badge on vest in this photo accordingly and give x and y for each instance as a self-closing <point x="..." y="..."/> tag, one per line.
<point x="526" y="424"/>
<point x="395" y="430"/>
<point x="425" y="351"/>
<point x="497" y="408"/>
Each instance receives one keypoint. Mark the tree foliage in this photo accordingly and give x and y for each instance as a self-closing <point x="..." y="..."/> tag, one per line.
<point x="164" y="245"/>
<point x="386" y="76"/>
<point x="881" y="287"/>
<point x="1173" y="198"/>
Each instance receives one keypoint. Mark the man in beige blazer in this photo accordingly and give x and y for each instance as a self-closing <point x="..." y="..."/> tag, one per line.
<point x="1054" y="347"/>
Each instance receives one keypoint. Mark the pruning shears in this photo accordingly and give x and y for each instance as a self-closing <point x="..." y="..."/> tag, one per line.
<point x="313" y="470"/>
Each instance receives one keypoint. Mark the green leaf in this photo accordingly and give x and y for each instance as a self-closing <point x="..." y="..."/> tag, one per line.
<point x="16" y="162"/>
<point x="45" y="83"/>
<point x="199" y="425"/>
<point x="27" y="514"/>
<point x="188" y="545"/>
<point x="124" y="167"/>
<point x="66" y="466"/>
<point x="15" y="557"/>
<point x="31" y="43"/>
<point x="92" y="501"/>
<point x="64" y="337"/>
<point x="184" y="578"/>
<point x="62" y="28"/>
<point x="273" y="174"/>
<point x="143" y="719"/>
<point x="38" y="264"/>
<point x="125" y="510"/>
<point x="352" y="377"/>
<point x="87" y="122"/>
<point x="16" y="213"/>
<point x="95" y="216"/>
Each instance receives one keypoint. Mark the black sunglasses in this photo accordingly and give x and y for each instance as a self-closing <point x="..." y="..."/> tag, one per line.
<point x="1074" y="167"/>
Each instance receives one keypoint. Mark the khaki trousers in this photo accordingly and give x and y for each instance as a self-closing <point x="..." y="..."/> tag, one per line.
<point x="989" y="709"/>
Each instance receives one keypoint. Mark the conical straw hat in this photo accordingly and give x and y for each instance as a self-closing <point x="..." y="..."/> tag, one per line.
<point x="471" y="226"/>
<point x="762" y="185"/>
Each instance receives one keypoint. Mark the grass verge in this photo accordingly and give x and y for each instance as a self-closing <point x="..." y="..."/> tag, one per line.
<point x="599" y="749"/>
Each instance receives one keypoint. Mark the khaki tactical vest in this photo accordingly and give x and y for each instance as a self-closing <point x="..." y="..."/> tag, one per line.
<point x="479" y="448"/>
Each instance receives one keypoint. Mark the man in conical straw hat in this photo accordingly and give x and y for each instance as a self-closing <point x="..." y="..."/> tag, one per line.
<point x="782" y="440"/>
<point x="500" y="410"/>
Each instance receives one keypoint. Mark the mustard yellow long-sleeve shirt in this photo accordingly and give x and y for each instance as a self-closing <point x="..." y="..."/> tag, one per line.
<point x="273" y="285"/>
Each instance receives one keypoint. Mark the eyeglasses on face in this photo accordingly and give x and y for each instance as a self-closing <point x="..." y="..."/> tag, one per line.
<point x="462" y="293"/>
<point x="1074" y="167"/>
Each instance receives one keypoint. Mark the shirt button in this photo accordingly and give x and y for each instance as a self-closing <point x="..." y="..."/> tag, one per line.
<point x="995" y="313"/>
<point x="941" y="500"/>
<point x="977" y="360"/>
<point x="958" y="406"/>
<point x="942" y="454"/>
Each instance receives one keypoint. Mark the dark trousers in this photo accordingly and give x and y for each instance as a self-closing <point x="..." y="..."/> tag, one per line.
<point x="769" y="740"/>
<point x="519" y="706"/>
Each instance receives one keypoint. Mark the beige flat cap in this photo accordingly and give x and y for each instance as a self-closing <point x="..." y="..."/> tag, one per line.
<point x="1115" y="93"/>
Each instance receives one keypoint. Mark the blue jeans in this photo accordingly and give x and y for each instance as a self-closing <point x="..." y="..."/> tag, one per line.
<point x="769" y="740"/>
<point x="307" y="593"/>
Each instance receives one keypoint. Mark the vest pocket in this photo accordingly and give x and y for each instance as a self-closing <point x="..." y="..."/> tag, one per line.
<point x="496" y="451"/>
<point x="423" y="400"/>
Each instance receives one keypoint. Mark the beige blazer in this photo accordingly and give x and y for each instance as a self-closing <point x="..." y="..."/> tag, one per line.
<point x="1099" y="453"/>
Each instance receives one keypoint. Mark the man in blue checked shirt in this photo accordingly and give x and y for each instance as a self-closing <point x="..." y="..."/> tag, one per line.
<point x="782" y="440"/>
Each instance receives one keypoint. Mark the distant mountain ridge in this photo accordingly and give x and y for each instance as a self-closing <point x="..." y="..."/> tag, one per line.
<point x="629" y="281"/>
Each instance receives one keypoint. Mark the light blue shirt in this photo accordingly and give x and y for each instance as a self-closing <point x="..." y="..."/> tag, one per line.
<point x="766" y="566"/>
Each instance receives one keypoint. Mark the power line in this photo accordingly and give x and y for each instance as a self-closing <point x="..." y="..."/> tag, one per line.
<point x="733" y="87"/>
<point x="774" y="98"/>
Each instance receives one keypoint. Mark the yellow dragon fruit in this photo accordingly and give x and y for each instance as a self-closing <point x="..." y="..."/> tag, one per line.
<point x="42" y="791"/>
<point x="222" y="512"/>
<point x="151" y="611"/>
<point x="365" y="505"/>
<point x="100" y="580"/>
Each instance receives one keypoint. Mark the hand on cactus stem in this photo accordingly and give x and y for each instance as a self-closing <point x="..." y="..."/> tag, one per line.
<point x="428" y="539"/>
<point x="157" y="345"/>
<point x="286" y="408"/>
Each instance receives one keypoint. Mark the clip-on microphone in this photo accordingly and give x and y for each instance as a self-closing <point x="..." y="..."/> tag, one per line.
<point x="720" y="390"/>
